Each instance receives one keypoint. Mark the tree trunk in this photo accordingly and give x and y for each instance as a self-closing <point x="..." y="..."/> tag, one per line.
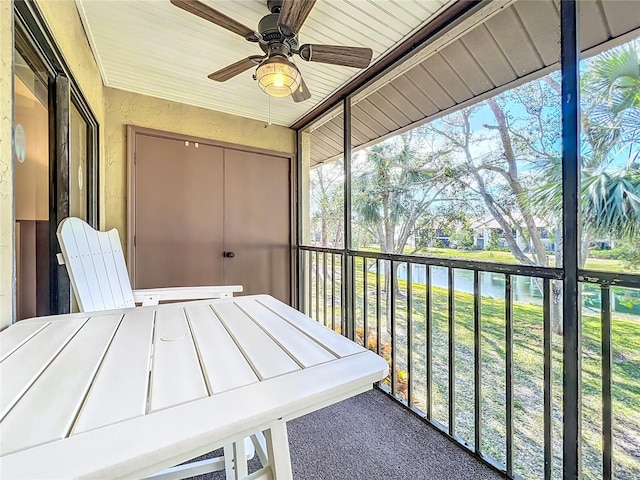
<point x="556" y="285"/>
<point x="323" y="231"/>
<point x="338" y="241"/>
<point x="556" y="307"/>
<point x="556" y="288"/>
<point x="584" y="250"/>
<point x="511" y="176"/>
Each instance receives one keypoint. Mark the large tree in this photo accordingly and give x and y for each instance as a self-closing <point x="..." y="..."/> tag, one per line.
<point x="610" y="166"/>
<point x="509" y="155"/>
<point x="611" y="127"/>
<point x="327" y="204"/>
<point x="499" y="142"/>
<point x="396" y="183"/>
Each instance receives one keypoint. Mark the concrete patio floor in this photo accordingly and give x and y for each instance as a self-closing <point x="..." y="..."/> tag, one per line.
<point x="372" y="437"/>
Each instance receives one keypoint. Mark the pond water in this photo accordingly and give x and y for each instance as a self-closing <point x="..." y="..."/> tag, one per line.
<point x="525" y="289"/>
<point x="491" y="284"/>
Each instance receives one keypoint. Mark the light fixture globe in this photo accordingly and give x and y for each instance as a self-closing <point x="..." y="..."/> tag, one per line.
<point x="278" y="77"/>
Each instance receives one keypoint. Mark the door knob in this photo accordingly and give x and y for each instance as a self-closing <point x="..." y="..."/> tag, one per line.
<point x="229" y="254"/>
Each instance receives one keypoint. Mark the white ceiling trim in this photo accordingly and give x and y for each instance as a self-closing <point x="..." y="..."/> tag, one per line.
<point x="92" y="44"/>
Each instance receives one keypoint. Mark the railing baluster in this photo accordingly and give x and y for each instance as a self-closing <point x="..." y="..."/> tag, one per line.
<point x="508" y="300"/>
<point x="302" y="288"/>
<point x="310" y="272"/>
<point x="428" y="338"/>
<point x="365" y="310"/>
<point x="324" y="288"/>
<point x="317" y="289"/>
<point x="548" y="412"/>
<point x="333" y="291"/>
<point x="452" y="353"/>
<point x="607" y="411"/>
<point x="409" y="336"/>
<point x="378" y="316"/>
<point x="477" y="360"/>
<point x="343" y="292"/>
<point x="392" y="290"/>
<point x="351" y="331"/>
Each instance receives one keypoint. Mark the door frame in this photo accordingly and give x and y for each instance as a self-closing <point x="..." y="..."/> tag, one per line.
<point x="134" y="130"/>
<point x="34" y="37"/>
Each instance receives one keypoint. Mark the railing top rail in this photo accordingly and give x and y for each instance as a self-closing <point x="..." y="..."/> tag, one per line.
<point x="505" y="268"/>
<point x="587" y="276"/>
<point x="337" y="251"/>
<point x="609" y="278"/>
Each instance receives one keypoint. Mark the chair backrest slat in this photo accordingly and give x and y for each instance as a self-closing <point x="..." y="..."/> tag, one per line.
<point x="72" y="252"/>
<point x="96" y="266"/>
<point x="93" y="240"/>
<point x="118" y="277"/>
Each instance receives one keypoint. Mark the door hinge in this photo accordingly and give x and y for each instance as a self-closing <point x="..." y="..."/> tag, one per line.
<point x="134" y="240"/>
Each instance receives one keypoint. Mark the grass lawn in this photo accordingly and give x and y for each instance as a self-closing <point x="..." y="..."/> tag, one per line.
<point x="527" y="395"/>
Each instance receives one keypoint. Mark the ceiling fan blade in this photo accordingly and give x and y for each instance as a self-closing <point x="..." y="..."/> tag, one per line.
<point x="302" y="93"/>
<point x="214" y="16"/>
<point x="234" y="69"/>
<point x="293" y="13"/>
<point x="357" y="57"/>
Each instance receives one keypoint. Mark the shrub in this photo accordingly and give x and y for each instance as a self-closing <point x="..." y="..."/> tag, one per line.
<point x="618" y="253"/>
<point x="629" y="254"/>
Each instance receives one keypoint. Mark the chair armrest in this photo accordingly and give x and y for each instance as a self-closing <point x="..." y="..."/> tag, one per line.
<point x="153" y="296"/>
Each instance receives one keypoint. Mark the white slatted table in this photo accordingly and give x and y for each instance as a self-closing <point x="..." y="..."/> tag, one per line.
<point x="126" y="393"/>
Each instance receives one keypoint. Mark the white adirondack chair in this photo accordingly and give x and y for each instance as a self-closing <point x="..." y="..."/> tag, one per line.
<point x="98" y="273"/>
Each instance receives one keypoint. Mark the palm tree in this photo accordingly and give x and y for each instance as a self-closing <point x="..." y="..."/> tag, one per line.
<point x="610" y="172"/>
<point x="398" y="183"/>
<point x="611" y="125"/>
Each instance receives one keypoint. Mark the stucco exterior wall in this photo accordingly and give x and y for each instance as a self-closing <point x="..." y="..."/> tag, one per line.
<point x="114" y="110"/>
<point x="126" y="108"/>
<point x="7" y="285"/>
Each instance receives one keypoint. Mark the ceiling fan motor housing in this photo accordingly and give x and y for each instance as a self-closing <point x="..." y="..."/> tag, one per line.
<point x="271" y="34"/>
<point x="268" y="27"/>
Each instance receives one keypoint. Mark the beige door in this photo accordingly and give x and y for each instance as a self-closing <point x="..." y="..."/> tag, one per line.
<point x="193" y="204"/>
<point x="178" y="213"/>
<point x="257" y="223"/>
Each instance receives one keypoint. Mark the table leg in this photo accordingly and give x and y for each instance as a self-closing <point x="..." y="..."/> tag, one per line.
<point x="240" y="458"/>
<point x="229" y="467"/>
<point x="278" y="451"/>
<point x="235" y="459"/>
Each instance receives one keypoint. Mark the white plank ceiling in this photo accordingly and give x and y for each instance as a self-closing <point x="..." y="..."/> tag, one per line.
<point x="153" y="48"/>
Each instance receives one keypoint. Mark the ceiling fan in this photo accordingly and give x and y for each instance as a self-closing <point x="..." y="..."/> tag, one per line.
<point x="277" y="36"/>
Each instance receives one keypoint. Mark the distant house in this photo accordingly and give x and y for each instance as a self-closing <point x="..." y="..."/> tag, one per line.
<point x="428" y="239"/>
<point x="483" y="229"/>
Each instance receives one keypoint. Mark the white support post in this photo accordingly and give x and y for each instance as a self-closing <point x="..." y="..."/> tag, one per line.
<point x="278" y="451"/>
<point x="240" y="459"/>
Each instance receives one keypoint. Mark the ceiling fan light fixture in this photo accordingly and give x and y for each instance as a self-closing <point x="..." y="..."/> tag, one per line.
<point x="278" y="77"/>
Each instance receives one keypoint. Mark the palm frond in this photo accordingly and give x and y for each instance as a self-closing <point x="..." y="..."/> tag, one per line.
<point x="611" y="204"/>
